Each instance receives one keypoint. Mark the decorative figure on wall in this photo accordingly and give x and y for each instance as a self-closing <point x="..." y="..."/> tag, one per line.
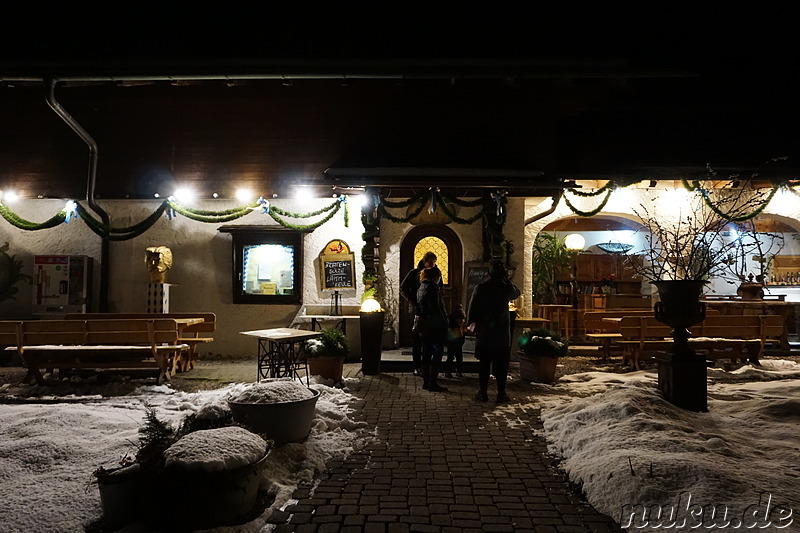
<point x="158" y="260"/>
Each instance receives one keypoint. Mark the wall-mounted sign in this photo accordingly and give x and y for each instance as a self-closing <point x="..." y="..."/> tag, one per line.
<point x="337" y="266"/>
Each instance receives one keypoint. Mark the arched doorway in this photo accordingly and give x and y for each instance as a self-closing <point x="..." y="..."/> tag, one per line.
<point x="446" y="244"/>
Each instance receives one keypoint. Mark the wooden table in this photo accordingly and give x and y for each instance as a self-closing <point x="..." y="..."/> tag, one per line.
<point x="281" y="351"/>
<point x="531" y="322"/>
<point x="188" y="321"/>
<point x="559" y="316"/>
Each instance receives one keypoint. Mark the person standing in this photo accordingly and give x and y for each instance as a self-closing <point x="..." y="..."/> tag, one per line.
<point x="456" y="327"/>
<point x="408" y="289"/>
<point x="489" y="318"/>
<point x="432" y="323"/>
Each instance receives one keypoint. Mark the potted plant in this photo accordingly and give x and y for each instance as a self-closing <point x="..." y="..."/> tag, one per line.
<point x="538" y="355"/>
<point x="687" y="245"/>
<point x="159" y="470"/>
<point x="326" y="354"/>
<point x="550" y="257"/>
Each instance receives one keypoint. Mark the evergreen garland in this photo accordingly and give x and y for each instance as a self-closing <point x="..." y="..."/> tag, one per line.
<point x="308" y="227"/>
<point x="704" y="193"/>
<point x="119" y="234"/>
<point x="591" y="213"/>
<point x="597" y="192"/>
<point x="27" y="225"/>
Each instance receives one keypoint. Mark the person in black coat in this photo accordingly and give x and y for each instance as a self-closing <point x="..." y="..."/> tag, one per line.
<point x="432" y="326"/>
<point x="408" y="289"/>
<point x="489" y="318"/>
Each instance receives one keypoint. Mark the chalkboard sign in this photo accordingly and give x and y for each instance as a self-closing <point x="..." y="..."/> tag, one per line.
<point x="337" y="271"/>
<point x="476" y="272"/>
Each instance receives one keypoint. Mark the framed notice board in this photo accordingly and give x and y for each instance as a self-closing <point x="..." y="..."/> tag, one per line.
<point x="337" y="266"/>
<point x="476" y="271"/>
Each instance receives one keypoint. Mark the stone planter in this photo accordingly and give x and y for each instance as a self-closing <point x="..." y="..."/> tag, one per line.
<point x="537" y="368"/>
<point x="751" y="291"/>
<point x="202" y="500"/>
<point x="326" y="366"/>
<point x="282" y="422"/>
<point x="121" y="492"/>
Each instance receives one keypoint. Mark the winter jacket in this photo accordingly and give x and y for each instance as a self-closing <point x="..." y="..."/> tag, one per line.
<point x="488" y="309"/>
<point x="431" y="310"/>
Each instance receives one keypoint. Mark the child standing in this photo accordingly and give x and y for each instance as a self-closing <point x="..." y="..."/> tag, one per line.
<point x="456" y="327"/>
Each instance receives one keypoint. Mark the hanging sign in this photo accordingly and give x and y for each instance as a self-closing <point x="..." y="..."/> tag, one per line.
<point x="337" y="266"/>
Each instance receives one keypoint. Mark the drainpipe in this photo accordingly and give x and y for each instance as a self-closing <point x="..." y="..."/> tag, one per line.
<point x="539" y="216"/>
<point x="104" y="245"/>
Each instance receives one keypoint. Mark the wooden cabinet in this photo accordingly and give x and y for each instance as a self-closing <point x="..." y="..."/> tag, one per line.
<point x="785" y="270"/>
<point x="591" y="293"/>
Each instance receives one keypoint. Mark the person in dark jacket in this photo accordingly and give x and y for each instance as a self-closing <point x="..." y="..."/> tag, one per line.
<point x="433" y="327"/>
<point x="408" y="289"/>
<point x="456" y="327"/>
<point x="489" y="318"/>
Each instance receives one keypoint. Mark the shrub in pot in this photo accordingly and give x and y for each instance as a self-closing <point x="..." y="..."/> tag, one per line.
<point x="326" y="354"/>
<point x="539" y="351"/>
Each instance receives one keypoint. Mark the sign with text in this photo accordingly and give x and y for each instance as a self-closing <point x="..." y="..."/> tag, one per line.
<point x="337" y="266"/>
<point x="476" y="272"/>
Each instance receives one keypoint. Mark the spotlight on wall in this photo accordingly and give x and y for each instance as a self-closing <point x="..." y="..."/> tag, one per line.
<point x="184" y="195"/>
<point x="303" y="194"/>
<point x="9" y="196"/>
<point x="653" y="183"/>
<point x="244" y="195"/>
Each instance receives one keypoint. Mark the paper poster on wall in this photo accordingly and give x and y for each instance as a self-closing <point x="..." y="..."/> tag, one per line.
<point x="337" y="266"/>
<point x="269" y="288"/>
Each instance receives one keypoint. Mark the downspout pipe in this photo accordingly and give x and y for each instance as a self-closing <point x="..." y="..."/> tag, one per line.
<point x="538" y="216"/>
<point x="90" y="188"/>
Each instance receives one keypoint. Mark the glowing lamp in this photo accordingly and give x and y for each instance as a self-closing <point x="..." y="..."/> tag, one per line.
<point x="575" y="242"/>
<point x="370" y="305"/>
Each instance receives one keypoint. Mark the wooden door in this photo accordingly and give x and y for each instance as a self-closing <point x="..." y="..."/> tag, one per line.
<point x="450" y="259"/>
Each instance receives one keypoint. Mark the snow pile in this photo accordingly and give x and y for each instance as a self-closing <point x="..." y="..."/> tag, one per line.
<point x="214" y="450"/>
<point x="273" y="391"/>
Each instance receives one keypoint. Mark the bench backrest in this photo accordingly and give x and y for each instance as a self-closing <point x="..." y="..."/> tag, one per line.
<point x="593" y="320"/>
<point x="89" y="332"/>
<point x="740" y="327"/>
<point x="725" y="326"/>
<point x="208" y="325"/>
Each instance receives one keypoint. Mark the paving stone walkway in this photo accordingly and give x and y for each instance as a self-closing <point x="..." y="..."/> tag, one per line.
<point x="443" y="463"/>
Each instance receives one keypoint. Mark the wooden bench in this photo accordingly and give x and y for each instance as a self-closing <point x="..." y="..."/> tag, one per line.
<point x="72" y="344"/>
<point x="606" y="333"/>
<point x="718" y="337"/>
<point x="190" y="334"/>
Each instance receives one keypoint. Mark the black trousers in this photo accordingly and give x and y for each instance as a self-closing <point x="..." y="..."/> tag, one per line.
<point x="497" y="366"/>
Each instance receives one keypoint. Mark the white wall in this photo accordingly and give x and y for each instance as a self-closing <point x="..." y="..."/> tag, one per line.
<point x="202" y="263"/>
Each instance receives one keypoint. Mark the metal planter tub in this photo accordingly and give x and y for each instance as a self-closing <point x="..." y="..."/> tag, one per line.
<point x="282" y="422"/>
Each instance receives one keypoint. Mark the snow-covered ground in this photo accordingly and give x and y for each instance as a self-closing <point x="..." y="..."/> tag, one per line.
<point x="633" y="453"/>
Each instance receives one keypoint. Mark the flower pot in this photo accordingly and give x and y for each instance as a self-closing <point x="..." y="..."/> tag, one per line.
<point x="282" y="422"/>
<point x="537" y="368"/>
<point x="751" y="291"/>
<point x="326" y="366"/>
<point x="121" y="495"/>
<point x="199" y="499"/>
<point x="680" y="305"/>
